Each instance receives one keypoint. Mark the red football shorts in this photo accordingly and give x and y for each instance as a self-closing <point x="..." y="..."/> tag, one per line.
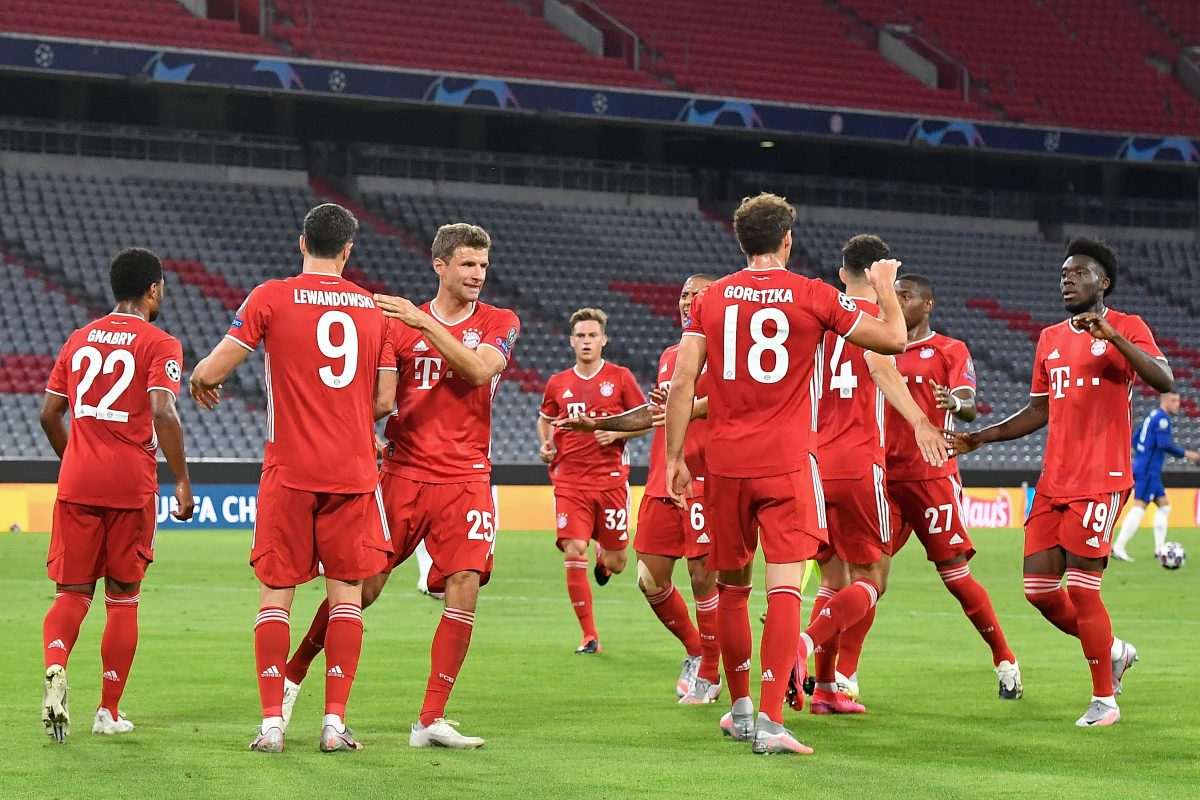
<point x="665" y="529"/>
<point x="602" y="515"/>
<point x="1079" y="525"/>
<point x="298" y="534"/>
<point x="457" y="522"/>
<point x="92" y="542"/>
<point x="859" y="518"/>
<point x="789" y="509"/>
<point x="932" y="508"/>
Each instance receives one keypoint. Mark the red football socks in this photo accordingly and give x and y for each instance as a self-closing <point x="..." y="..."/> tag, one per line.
<point x="778" y="652"/>
<point x="850" y="643"/>
<point x="446" y="656"/>
<point x="117" y="647"/>
<point x="272" y="638"/>
<point x="710" y="647"/>
<point x="1095" y="627"/>
<point x="978" y="607"/>
<point x="826" y="653"/>
<point x="737" y="644"/>
<point x="580" y="593"/>
<point x="672" y="611"/>
<point x="1046" y="594"/>
<point x="343" y="640"/>
<point x="310" y="646"/>
<point x="60" y="629"/>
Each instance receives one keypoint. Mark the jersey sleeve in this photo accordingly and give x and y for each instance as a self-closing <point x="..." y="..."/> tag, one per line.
<point x="550" y="408"/>
<point x="57" y="384"/>
<point x="961" y="374"/>
<point x="1166" y="442"/>
<point x="693" y="326"/>
<point x="834" y="309"/>
<point x="1039" y="384"/>
<point x="387" y="348"/>
<point x="501" y="333"/>
<point x="166" y="366"/>
<point x="631" y="394"/>
<point x="1138" y="333"/>
<point x="250" y="323"/>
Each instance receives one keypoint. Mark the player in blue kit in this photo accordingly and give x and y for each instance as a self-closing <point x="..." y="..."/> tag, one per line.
<point x="1152" y="443"/>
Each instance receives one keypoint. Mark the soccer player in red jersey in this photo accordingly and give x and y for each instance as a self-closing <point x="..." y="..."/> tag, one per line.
<point x="762" y="333"/>
<point x="330" y="372"/>
<point x="925" y="498"/>
<point x="1083" y="373"/>
<point x="667" y="533"/>
<point x="117" y="377"/>
<point x="850" y="451"/>
<point x="436" y="480"/>
<point x="591" y="479"/>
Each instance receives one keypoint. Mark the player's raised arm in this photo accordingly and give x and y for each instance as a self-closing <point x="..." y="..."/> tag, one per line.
<point x="637" y="420"/>
<point x="930" y="440"/>
<point x="1032" y="417"/>
<point x="1154" y="370"/>
<point x="680" y="403"/>
<point x="478" y="366"/>
<point x="886" y="334"/>
<point x="169" y="430"/>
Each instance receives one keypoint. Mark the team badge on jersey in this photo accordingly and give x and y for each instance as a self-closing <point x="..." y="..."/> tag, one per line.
<point x="927" y="352"/>
<point x="471" y="338"/>
<point x="562" y="521"/>
<point x="607" y="389"/>
<point x="173" y="370"/>
<point x="1098" y="347"/>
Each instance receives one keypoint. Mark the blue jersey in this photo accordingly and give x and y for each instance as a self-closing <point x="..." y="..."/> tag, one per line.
<point x="1152" y="442"/>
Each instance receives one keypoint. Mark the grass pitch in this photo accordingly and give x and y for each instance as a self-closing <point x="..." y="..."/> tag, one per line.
<point x="561" y="725"/>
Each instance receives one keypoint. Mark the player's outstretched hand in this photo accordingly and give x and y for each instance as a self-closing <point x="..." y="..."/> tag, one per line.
<point x="576" y="423"/>
<point x="882" y="274"/>
<point x="606" y="438"/>
<point x="205" y="396"/>
<point x="401" y="308"/>
<point x="658" y="395"/>
<point x="934" y="447"/>
<point x="1192" y="456"/>
<point x="187" y="503"/>
<point x="679" y="482"/>
<point x="546" y="454"/>
<point x="1096" y="325"/>
<point x="658" y="416"/>
<point x="962" y="442"/>
<point x="943" y="397"/>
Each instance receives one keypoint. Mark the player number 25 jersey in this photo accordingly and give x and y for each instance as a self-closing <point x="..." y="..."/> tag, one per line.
<point x="106" y="370"/>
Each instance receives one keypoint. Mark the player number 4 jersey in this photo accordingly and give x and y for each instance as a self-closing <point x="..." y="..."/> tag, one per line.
<point x="106" y="370"/>
<point x="850" y="419"/>
<point x="764" y="332"/>
<point x="325" y="340"/>
<point x="1089" y="386"/>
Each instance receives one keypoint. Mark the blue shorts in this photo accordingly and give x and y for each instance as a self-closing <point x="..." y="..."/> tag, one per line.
<point x="1148" y="486"/>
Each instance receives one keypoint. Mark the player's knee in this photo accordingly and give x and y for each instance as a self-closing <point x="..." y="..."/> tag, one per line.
<point x="704" y="582"/>
<point x="462" y="590"/>
<point x="645" y="580"/>
<point x="113" y="586"/>
<point x="615" y="561"/>
<point x="574" y="548"/>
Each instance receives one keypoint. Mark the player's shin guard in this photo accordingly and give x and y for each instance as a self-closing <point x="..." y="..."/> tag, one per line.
<point x="1045" y="593"/>
<point x="580" y="593"/>
<point x="272" y="638"/>
<point x="310" y="646"/>
<point x="825" y="653"/>
<point x="850" y="643"/>
<point x="60" y="629"/>
<point x="978" y="607"/>
<point x="710" y="646"/>
<point x="446" y="657"/>
<point x="343" y="646"/>
<point x="778" y="652"/>
<point x="117" y="647"/>
<point x="1095" y="627"/>
<point x="737" y="644"/>
<point x="672" y="611"/>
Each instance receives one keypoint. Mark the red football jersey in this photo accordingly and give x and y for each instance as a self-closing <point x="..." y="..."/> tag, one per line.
<point x="850" y="417"/>
<point x="320" y="370"/>
<point x="442" y="429"/>
<point x="765" y="332"/>
<point x="1090" y="387"/>
<point x="106" y="370"/>
<point x="697" y="434"/>
<point x="933" y="359"/>
<point x="579" y="460"/>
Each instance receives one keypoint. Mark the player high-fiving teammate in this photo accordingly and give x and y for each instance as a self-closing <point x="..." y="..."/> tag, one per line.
<point x="1083" y="372"/>
<point x="330" y="372"/>
<point x="761" y="331"/>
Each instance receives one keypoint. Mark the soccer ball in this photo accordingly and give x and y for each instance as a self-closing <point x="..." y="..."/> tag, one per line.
<point x="1172" y="556"/>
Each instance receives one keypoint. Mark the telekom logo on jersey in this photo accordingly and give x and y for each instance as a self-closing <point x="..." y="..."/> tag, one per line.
<point x="1060" y="378"/>
<point x="427" y="370"/>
